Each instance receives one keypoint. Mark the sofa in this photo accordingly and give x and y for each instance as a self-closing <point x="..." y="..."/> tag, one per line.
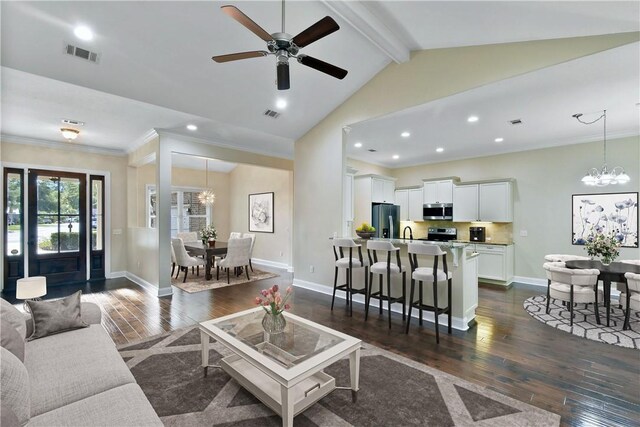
<point x="74" y="378"/>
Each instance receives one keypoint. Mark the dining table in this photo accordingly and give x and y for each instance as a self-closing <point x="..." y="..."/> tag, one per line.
<point x="208" y="252"/>
<point x="613" y="272"/>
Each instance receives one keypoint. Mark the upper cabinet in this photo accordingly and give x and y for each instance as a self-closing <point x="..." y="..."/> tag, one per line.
<point x="465" y="203"/>
<point x="368" y="189"/>
<point x="410" y="202"/>
<point x="382" y="190"/>
<point x="438" y="191"/>
<point x="489" y="201"/>
<point x="402" y="200"/>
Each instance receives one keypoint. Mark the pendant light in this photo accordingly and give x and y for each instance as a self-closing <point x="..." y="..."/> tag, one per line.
<point x="207" y="196"/>
<point x="603" y="176"/>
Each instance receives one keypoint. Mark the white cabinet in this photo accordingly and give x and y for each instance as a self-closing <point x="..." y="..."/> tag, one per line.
<point x="402" y="200"/>
<point x="415" y="205"/>
<point x="382" y="190"/>
<point x="388" y="190"/>
<point x="496" y="202"/>
<point x="438" y="191"/>
<point x="368" y="189"/>
<point x="465" y="203"/>
<point x="495" y="263"/>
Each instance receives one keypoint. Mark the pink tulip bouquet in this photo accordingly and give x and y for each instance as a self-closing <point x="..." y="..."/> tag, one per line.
<point x="272" y="300"/>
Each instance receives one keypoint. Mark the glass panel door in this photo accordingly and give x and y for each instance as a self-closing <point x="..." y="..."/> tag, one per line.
<point x="96" y="257"/>
<point x="13" y="226"/>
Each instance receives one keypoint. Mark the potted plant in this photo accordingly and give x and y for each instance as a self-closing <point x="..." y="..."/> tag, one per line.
<point x="603" y="246"/>
<point x="209" y="234"/>
<point x="273" y="303"/>
<point x="365" y="231"/>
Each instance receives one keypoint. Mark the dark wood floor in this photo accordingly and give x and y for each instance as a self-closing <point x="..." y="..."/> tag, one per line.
<point x="587" y="383"/>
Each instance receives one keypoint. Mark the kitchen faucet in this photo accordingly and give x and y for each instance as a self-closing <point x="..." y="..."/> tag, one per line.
<point x="404" y="233"/>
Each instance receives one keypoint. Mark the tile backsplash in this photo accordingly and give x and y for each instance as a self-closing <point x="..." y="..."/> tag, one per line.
<point x="495" y="231"/>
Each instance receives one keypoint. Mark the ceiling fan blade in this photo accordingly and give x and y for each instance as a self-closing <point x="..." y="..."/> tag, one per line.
<point x="322" y="66"/>
<point x="320" y="29"/>
<point x="239" y="55"/>
<point x="283" y="76"/>
<point x="256" y="29"/>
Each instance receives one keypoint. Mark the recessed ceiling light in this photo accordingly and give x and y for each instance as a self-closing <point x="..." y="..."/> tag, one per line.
<point x="281" y="103"/>
<point x="472" y="119"/>
<point x="358" y="144"/>
<point x="439" y="150"/>
<point x="69" y="134"/>
<point x="192" y="127"/>
<point x="83" y="33"/>
<point x="405" y="134"/>
<point x="499" y="139"/>
<point x="396" y="157"/>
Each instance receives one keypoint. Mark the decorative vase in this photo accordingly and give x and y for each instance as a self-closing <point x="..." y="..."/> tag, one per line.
<point x="606" y="261"/>
<point x="274" y="323"/>
<point x="212" y="243"/>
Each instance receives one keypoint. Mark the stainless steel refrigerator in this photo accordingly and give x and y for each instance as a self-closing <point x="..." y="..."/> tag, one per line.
<point x="386" y="220"/>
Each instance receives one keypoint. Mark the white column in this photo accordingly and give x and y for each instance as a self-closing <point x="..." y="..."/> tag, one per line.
<point x="163" y="218"/>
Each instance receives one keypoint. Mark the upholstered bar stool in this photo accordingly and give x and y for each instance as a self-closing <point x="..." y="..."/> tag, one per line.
<point x="573" y="286"/>
<point x="565" y="258"/>
<point x="348" y="263"/>
<point x="431" y="275"/>
<point x="630" y="299"/>
<point x="382" y="268"/>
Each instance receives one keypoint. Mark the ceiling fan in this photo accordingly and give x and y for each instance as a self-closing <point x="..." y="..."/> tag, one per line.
<point x="284" y="46"/>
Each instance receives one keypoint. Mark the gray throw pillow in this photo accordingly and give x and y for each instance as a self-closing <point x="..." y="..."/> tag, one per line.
<point x="10" y="314"/>
<point x="11" y="340"/>
<point x="53" y="317"/>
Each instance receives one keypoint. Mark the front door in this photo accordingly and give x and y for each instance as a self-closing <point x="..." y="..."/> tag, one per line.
<point x="57" y="226"/>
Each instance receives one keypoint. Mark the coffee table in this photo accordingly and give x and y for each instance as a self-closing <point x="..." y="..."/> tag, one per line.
<point x="284" y="371"/>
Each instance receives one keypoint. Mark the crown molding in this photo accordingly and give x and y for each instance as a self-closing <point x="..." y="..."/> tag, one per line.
<point x="68" y="146"/>
<point x="148" y="136"/>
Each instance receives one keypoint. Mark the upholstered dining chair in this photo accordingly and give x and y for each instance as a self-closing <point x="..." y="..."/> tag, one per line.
<point x="565" y="258"/>
<point x="430" y="276"/>
<point x="188" y="236"/>
<point x="173" y="260"/>
<point x="237" y="256"/>
<point x="348" y="257"/>
<point x="630" y="299"/>
<point x="235" y="235"/>
<point x="382" y="268"/>
<point x="630" y="261"/>
<point x="184" y="260"/>
<point x="253" y="242"/>
<point x="573" y="286"/>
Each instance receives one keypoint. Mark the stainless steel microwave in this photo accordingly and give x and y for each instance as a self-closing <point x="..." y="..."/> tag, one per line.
<point x="437" y="211"/>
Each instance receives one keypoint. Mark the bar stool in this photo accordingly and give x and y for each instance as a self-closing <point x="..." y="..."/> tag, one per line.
<point x="433" y="275"/>
<point x="349" y="263"/>
<point x="381" y="268"/>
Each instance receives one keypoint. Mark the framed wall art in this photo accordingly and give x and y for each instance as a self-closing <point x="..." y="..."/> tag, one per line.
<point x="261" y="212"/>
<point x="608" y="213"/>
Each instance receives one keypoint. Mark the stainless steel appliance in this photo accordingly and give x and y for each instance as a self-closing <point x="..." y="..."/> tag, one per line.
<point x="441" y="234"/>
<point x="386" y="220"/>
<point x="437" y="211"/>
<point x="477" y="234"/>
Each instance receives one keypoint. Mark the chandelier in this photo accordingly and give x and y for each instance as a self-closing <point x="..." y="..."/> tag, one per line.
<point x="207" y="197"/>
<point x="603" y="176"/>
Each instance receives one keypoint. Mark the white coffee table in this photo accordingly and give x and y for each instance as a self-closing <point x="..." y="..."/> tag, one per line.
<point x="284" y="371"/>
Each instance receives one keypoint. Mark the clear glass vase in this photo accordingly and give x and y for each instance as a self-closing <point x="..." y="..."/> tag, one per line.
<point x="274" y="323"/>
<point x="606" y="260"/>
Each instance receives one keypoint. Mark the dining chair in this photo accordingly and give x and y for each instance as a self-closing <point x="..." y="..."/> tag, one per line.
<point x="173" y="260"/>
<point x="237" y="256"/>
<point x="188" y="236"/>
<point x="253" y="242"/>
<point x="184" y="260"/>
<point x="429" y="275"/>
<point x="565" y="258"/>
<point x="630" y="261"/>
<point x="346" y="259"/>
<point x="235" y="235"/>
<point x="630" y="299"/>
<point x="382" y="268"/>
<point x="574" y="286"/>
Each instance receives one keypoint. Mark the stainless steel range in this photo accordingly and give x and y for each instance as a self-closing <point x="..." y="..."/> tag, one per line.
<point x="441" y="234"/>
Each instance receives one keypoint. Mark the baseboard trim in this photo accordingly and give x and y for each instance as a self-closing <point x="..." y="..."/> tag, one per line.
<point x="272" y="264"/>
<point x="534" y="281"/>
<point x="148" y="286"/>
<point x="460" y="324"/>
<point x="117" y="274"/>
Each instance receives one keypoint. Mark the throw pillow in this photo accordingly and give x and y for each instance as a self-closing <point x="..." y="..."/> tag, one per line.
<point x="53" y="317"/>
<point x="10" y="314"/>
<point x="11" y="340"/>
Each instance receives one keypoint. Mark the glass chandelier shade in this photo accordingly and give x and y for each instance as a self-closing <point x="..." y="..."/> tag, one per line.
<point x="207" y="197"/>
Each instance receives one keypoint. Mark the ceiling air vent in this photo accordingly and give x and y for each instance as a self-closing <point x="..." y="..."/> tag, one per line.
<point x="371" y="150"/>
<point x="72" y="122"/>
<point x="515" y="122"/>
<point x="271" y="113"/>
<point x="81" y="53"/>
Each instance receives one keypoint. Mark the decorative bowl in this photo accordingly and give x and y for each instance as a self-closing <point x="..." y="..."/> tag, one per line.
<point x="365" y="234"/>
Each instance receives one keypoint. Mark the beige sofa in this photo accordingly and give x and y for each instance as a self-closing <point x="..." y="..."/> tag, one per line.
<point x="75" y="378"/>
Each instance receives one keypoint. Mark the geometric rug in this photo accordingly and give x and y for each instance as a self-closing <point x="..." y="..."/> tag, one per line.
<point x="584" y="321"/>
<point x="199" y="283"/>
<point x="394" y="391"/>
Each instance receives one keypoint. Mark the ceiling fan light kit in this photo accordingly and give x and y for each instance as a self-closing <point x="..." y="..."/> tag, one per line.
<point x="284" y="46"/>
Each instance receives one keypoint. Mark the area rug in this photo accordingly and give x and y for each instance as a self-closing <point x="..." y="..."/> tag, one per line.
<point x="584" y="321"/>
<point x="199" y="283"/>
<point x="394" y="391"/>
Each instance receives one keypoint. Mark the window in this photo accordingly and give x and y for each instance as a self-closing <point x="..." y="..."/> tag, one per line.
<point x="187" y="213"/>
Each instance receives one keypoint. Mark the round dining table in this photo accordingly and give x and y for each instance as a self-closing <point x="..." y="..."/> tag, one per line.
<point x="613" y="272"/>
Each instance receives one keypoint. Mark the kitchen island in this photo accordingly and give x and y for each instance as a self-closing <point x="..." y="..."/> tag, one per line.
<point x="462" y="262"/>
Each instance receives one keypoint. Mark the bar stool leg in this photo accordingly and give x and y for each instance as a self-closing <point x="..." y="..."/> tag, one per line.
<point x="389" y="296"/>
<point x="571" y="307"/>
<point x="366" y="291"/>
<point x="420" y="300"/>
<point x="380" y="294"/>
<point x="350" y="291"/>
<point x="449" y="304"/>
<point x="404" y="296"/>
<point x="436" y="311"/>
<point x="335" y="285"/>
<point x="413" y="283"/>
<point x="368" y="297"/>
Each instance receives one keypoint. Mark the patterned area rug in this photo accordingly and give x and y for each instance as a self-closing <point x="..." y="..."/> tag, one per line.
<point x="584" y="321"/>
<point x="199" y="283"/>
<point x="394" y="391"/>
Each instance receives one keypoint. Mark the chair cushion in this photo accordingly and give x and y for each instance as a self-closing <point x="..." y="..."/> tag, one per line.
<point x="122" y="406"/>
<point x="381" y="268"/>
<point x="355" y="263"/>
<point x="634" y="301"/>
<point x="72" y="366"/>
<point x="426" y="274"/>
<point x="10" y="314"/>
<point x="14" y="389"/>
<point x="193" y="261"/>
<point x="581" y="294"/>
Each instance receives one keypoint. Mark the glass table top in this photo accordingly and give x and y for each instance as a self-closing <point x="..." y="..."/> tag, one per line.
<point x="299" y="342"/>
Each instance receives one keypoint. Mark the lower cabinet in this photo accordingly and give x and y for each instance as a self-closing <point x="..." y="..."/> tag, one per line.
<point x="495" y="263"/>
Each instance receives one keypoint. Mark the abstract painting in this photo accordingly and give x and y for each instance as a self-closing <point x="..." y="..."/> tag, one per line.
<point x="609" y="213"/>
<point x="261" y="212"/>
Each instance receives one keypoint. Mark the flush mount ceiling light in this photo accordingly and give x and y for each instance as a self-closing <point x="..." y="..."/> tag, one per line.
<point x="439" y="150"/>
<point x="472" y="119"/>
<point x="358" y="144"/>
<point x="83" y="33"/>
<point x="207" y="196"/>
<point x="499" y="139"/>
<point x="281" y="103"/>
<point x="603" y="176"/>
<point x="192" y="127"/>
<point x="396" y="157"/>
<point x="405" y="134"/>
<point x="69" y="134"/>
